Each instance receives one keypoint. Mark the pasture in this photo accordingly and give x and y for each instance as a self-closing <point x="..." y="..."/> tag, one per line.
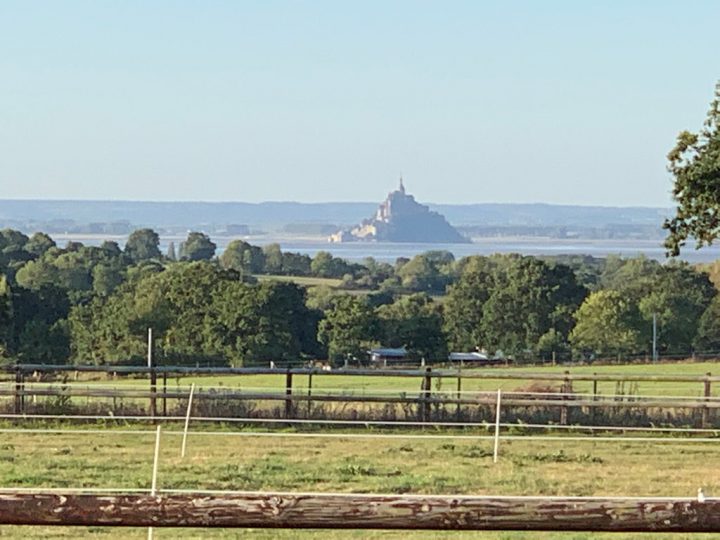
<point x="375" y="384"/>
<point x="431" y="459"/>
<point x="236" y="461"/>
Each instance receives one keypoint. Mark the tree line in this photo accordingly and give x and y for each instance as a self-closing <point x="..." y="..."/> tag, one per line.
<point x="94" y="304"/>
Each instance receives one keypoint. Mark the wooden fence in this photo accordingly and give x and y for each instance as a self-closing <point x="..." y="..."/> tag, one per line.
<point x="564" y="400"/>
<point x="350" y="511"/>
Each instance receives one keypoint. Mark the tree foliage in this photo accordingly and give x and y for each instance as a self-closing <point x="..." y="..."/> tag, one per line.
<point x="197" y="247"/>
<point x="349" y="328"/>
<point x="607" y="323"/>
<point x="414" y="322"/>
<point x="695" y="164"/>
<point x="142" y="245"/>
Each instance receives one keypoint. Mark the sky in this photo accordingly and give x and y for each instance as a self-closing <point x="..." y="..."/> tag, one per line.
<point x="509" y="101"/>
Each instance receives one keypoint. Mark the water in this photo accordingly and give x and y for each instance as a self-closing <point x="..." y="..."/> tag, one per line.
<point x="388" y="252"/>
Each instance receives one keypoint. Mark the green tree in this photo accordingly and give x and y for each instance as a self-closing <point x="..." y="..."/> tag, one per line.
<point x="111" y="249"/>
<point x="39" y="244"/>
<point x="106" y="278"/>
<point x="12" y="252"/>
<point x="142" y="245"/>
<point x="39" y="328"/>
<point x="171" y="255"/>
<point x="37" y="274"/>
<point x="349" y="328"/>
<point x="707" y="337"/>
<point x="326" y="266"/>
<point x="414" y="322"/>
<point x="243" y="257"/>
<point x="465" y="303"/>
<point x="635" y="278"/>
<point x="427" y="272"/>
<point x="529" y="299"/>
<point x="678" y="300"/>
<point x="199" y="313"/>
<point x="198" y="247"/>
<point x="295" y="264"/>
<point x="608" y="324"/>
<point x="273" y="259"/>
<point x="6" y="316"/>
<point x="695" y="164"/>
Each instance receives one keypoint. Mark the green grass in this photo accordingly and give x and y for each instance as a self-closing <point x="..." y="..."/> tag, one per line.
<point x="369" y="384"/>
<point x="302" y="280"/>
<point x="353" y="466"/>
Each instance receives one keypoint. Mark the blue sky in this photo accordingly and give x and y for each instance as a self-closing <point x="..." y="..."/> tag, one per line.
<point x="507" y="101"/>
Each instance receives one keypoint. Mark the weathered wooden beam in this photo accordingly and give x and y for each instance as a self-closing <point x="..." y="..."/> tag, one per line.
<point x="333" y="511"/>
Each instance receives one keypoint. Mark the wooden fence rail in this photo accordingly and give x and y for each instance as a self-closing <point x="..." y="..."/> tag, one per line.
<point x="520" y="400"/>
<point x="349" y="511"/>
<point x="564" y="401"/>
<point x="487" y="373"/>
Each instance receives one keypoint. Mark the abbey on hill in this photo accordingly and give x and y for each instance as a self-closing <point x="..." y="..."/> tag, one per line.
<point x="400" y="218"/>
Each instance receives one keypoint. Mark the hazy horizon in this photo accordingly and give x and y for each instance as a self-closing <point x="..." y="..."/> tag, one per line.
<point x="310" y="202"/>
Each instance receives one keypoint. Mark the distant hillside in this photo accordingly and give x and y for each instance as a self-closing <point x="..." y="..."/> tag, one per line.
<point x="118" y="216"/>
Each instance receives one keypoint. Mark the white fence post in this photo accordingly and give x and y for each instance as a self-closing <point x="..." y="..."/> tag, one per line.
<point x="497" y="426"/>
<point x="153" y="485"/>
<point x="187" y="420"/>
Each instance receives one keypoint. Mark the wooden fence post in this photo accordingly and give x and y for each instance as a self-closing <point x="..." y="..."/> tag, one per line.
<point x="459" y="392"/>
<point x="594" y="398"/>
<point x="425" y="390"/>
<point x="566" y="389"/>
<point x="309" y="401"/>
<point x="19" y="387"/>
<point x="153" y="375"/>
<point x="288" y="393"/>
<point x="164" y="393"/>
<point x="707" y="392"/>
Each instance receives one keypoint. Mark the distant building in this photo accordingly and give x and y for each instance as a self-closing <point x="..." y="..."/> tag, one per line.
<point x="476" y="358"/>
<point x="384" y="355"/>
<point x="400" y="218"/>
<point x="234" y="229"/>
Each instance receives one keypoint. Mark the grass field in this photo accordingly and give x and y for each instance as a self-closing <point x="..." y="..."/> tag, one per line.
<point x="444" y="466"/>
<point x="302" y="280"/>
<point x="367" y="384"/>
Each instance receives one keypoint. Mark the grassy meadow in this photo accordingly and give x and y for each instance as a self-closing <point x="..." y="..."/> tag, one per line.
<point x="395" y="385"/>
<point x="442" y="466"/>
<point x="352" y="465"/>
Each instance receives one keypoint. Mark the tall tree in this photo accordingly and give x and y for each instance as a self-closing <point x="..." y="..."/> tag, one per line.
<point x="465" y="303"/>
<point x="707" y="337"/>
<point x="171" y="255"/>
<point x="608" y="324"/>
<point x="695" y="164"/>
<point x="326" y="266"/>
<point x="530" y="298"/>
<point x="142" y="245"/>
<point x="39" y="243"/>
<point x="243" y="257"/>
<point x="678" y="300"/>
<point x="349" y="328"/>
<point x="6" y="316"/>
<point x="273" y="259"/>
<point x="415" y="322"/>
<point x="198" y="247"/>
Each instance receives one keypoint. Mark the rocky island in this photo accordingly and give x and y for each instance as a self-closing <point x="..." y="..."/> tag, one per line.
<point x="400" y="218"/>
